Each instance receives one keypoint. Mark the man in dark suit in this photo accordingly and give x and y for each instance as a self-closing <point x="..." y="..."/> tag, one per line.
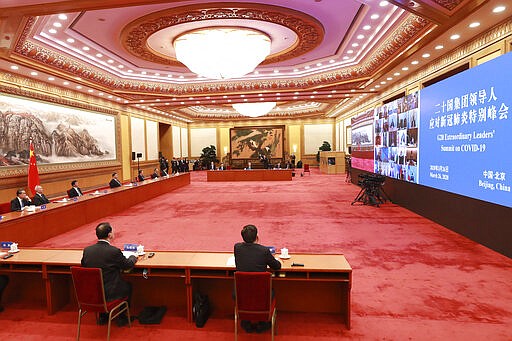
<point x="111" y="261"/>
<point x="155" y="174"/>
<point x="21" y="200"/>
<point x="115" y="181"/>
<point x="75" y="191"/>
<point x="253" y="257"/>
<point x="39" y="199"/>
<point x="140" y="177"/>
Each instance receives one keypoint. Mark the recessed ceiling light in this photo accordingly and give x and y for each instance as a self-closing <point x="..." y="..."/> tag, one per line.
<point x="372" y="89"/>
<point x="157" y="74"/>
<point x="57" y="24"/>
<point x="120" y="66"/>
<point x="110" y="96"/>
<point x="33" y="73"/>
<point x="79" y="87"/>
<point x="70" y="40"/>
<point x="360" y="36"/>
<point x="383" y="3"/>
<point x="383" y="82"/>
<point x="143" y="73"/>
<point x="498" y="9"/>
<point x="295" y="70"/>
<point x="90" y="90"/>
<point x="52" y="30"/>
<point x="14" y="67"/>
<point x="377" y="86"/>
<point x="425" y="55"/>
<point x="474" y="24"/>
<point x="346" y="95"/>
<point x="262" y="99"/>
<point x="366" y="27"/>
<point x="318" y="64"/>
<point x="345" y="58"/>
<point x="455" y="36"/>
<point x="240" y="96"/>
<point x="329" y="96"/>
<point x="333" y="91"/>
<point x="276" y="71"/>
<point x="350" y="51"/>
<point x="306" y="67"/>
<point x="110" y="61"/>
<point x="86" y="48"/>
<point x="101" y="94"/>
<point x="355" y="45"/>
<point x="405" y="68"/>
<point x="62" y="17"/>
<point x="294" y="97"/>
<point x="99" y="55"/>
<point x="181" y="77"/>
<point x="331" y="61"/>
<point x="170" y="76"/>
<point x="389" y="78"/>
<point x="374" y="16"/>
<point x="396" y="74"/>
<point x="51" y="78"/>
<point x="278" y="98"/>
<point x="439" y="47"/>
<point x="130" y="71"/>
<point x="311" y="96"/>
<point x="415" y="62"/>
<point x="315" y="92"/>
<point x="352" y="90"/>
<point x="65" y="83"/>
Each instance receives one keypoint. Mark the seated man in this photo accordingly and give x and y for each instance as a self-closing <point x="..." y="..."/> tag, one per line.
<point x="75" y="191"/>
<point x="140" y="177"/>
<point x="155" y="173"/>
<point x="253" y="257"/>
<point x="20" y="201"/>
<point x="40" y="199"/>
<point x="114" y="182"/>
<point x="111" y="261"/>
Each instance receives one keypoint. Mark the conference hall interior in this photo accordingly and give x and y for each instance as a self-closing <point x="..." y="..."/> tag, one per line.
<point x="305" y="118"/>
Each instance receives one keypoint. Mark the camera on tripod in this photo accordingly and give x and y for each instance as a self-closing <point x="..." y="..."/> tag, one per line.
<point x="370" y="180"/>
<point x="371" y="192"/>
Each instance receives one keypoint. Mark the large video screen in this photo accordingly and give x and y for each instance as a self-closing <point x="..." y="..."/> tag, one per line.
<point x="453" y="135"/>
<point x="465" y="133"/>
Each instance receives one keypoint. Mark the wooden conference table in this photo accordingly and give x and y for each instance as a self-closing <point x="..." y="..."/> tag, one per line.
<point x="250" y="175"/>
<point x="322" y="285"/>
<point x="29" y="228"/>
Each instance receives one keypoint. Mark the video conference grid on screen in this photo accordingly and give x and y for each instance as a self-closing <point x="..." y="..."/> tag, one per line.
<point x="451" y="136"/>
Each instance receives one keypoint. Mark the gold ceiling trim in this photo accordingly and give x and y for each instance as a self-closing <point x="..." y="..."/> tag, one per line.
<point x="406" y="32"/>
<point x="310" y="32"/>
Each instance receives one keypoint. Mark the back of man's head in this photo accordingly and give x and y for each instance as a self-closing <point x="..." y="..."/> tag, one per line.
<point x="73" y="183"/>
<point x="102" y="230"/>
<point x="249" y="233"/>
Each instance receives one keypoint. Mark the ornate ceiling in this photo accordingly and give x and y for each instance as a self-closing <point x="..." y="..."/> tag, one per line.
<point x="323" y="53"/>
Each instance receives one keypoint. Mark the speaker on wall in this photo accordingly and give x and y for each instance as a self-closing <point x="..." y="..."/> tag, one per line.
<point x="133" y="156"/>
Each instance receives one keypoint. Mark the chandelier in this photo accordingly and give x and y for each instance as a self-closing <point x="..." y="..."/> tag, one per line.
<point x="222" y="52"/>
<point x="254" y="109"/>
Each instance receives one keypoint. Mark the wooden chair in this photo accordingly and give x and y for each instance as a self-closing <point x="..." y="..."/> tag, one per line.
<point x="306" y="168"/>
<point x="90" y="295"/>
<point x="253" y="299"/>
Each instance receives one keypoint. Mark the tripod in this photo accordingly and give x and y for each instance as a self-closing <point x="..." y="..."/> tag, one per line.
<point x="371" y="192"/>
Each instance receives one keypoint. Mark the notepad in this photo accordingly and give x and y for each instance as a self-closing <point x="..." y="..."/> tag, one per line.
<point x="231" y="261"/>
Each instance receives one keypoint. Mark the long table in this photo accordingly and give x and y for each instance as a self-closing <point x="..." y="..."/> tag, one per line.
<point x="322" y="285"/>
<point x="29" y="228"/>
<point x="250" y="175"/>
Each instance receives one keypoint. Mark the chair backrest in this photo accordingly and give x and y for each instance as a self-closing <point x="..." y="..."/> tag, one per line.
<point x="306" y="167"/>
<point x="5" y="207"/>
<point x="88" y="283"/>
<point x="253" y="295"/>
<point x="69" y="193"/>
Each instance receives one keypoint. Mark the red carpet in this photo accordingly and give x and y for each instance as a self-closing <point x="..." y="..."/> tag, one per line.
<point x="413" y="279"/>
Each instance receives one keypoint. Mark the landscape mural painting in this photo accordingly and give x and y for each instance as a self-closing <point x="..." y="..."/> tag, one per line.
<point x="254" y="142"/>
<point x="59" y="134"/>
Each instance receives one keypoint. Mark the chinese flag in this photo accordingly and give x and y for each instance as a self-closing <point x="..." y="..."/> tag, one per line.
<point x="33" y="173"/>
